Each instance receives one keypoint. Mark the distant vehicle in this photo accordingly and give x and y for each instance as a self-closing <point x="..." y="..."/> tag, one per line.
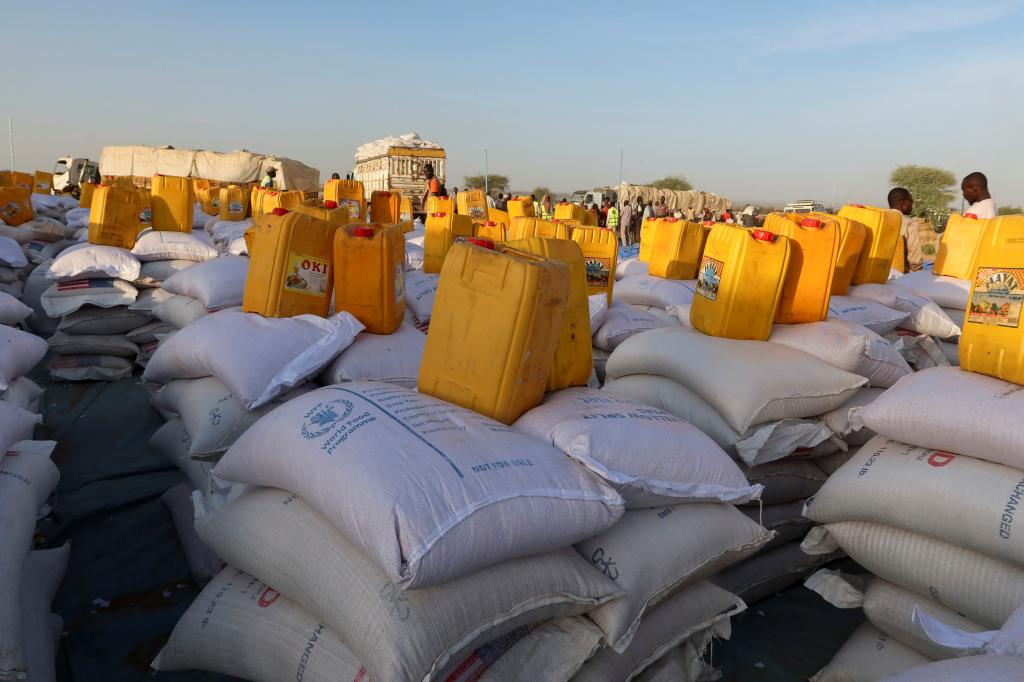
<point x="588" y="197"/>
<point x="70" y="172"/>
<point x="806" y="206"/>
<point x="396" y="165"/>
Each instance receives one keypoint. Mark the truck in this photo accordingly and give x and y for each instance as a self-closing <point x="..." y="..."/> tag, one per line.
<point x="588" y="197"/>
<point x="71" y="171"/>
<point x="141" y="163"/>
<point x="397" y="164"/>
<point x="806" y="206"/>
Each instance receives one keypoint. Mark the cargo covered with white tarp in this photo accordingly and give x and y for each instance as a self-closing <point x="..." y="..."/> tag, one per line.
<point x="238" y="167"/>
<point x="690" y="200"/>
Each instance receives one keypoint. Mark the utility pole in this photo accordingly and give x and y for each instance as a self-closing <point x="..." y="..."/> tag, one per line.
<point x="487" y="189"/>
<point x="10" y="132"/>
<point x="618" y="203"/>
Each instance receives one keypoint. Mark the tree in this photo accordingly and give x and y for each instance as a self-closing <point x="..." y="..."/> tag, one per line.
<point x="676" y="182"/>
<point x="498" y="183"/>
<point x="932" y="188"/>
<point x="1010" y="210"/>
<point x="539" y="192"/>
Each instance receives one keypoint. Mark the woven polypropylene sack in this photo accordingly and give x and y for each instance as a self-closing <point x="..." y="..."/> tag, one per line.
<point x="172" y="441"/>
<point x="63" y="298"/>
<point x="621" y="322"/>
<point x="787" y="480"/>
<point x="649" y="456"/>
<point x="878" y="318"/>
<point x="92" y="320"/>
<point x="62" y="343"/>
<point x="947" y="292"/>
<point x="90" y="261"/>
<point x="89" y="367"/>
<point x="19" y="353"/>
<point x="839" y="420"/>
<point x="203" y="563"/>
<point x="946" y="408"/>
<point x="867" y="656"/>
<point x="12" y="311"/>
<point x="16" y="424"/>
<point x="847" y="346"/>
<point x="24" y="393"/>
<point x="218" y="283"/>
<point x="554" y="650"/>
<point x="394" y="358"/>
<point x="266" y="356"/>
<point x="973" y="668"/>
<point x="153" y="245"/>
<point x="41" y="576"/>
<point x="653" y="553"/>
<point x="420" y="290"/>
<point x="179" y="311"/>
<point x="654" y="291"/>
<point x="154" y="273"/>
<point x="747" y="382"/>
<point x="631" y="267"/>
<point x="961" y="500"/>
<point x="26" y="480"/>
<point x="767" y="573"/>
<point x="242" y="627"/>
<point x="926" y="317"/>
<point x="399" y="635"/>
<point x="693" y="610"/>
<point x="435" y="491"/>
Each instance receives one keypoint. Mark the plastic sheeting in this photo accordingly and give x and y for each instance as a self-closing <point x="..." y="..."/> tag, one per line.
<point x="233" y="167"/>
<point x="381" y="146"/>
<point x="695" y="200"/>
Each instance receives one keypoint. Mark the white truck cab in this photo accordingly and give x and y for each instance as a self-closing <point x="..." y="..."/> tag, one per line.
<point x="806" y="206"/>
<point x="69" y="172"/>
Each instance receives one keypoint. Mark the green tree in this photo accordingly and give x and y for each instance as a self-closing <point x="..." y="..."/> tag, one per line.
<point x="496" y="183"/>
<point x="1010" y="210"/>
<point x="932" y="188"/>
<point x="676" y="182"/>
<point x="539" y="192"/>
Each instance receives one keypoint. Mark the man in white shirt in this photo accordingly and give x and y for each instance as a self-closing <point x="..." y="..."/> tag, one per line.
<point x="975" y="189"/>
<point x="901" y="200"/>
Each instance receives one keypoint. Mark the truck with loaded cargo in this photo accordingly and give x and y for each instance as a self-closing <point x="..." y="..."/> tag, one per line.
<point x="398" y="164"/>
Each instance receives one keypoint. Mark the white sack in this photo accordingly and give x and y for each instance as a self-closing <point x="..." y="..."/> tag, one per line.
<point x="649" y="456"/>
<point x="19" y="353"/>
<point x="11" y="254"/>
<point x="63" y="343"/>
<point x="867" y="313"/>
<point x="179" y="311"/>
<point x="218" y="283"/>
<point x="12" y="311"/>
<point x="399" y="635"/>
<point x="787" y="480"/>
<point x="172" y="441"/>
<point x="621" y="322"/>
<point x="420" y="290"/>
<point x="63" y="298"/>
<point x="847" y="346"/>
<point x="89" y="368"/>
<point x="631" y="267"/>
<point x="839" y="420"/>
<point x="925" y="316"/>
<point x="24" y="393"/>
<point x="92" y="261"/>
<point x="153" y="245"/>
<point x="654" y="291"/>
<point x="203" y="563"/>
<point x="554" y="650"/>
<point x="394" y="358"/>
<point x="867" y="656"/>
<point x="747" y="382"/>
<point x="92" y="320"/>
<point x="946" y="408"/>
<point x="973" y="668"/>
<point x="436" y="491"/>
<point x="266" y="356"/>
<point x="41" y="576"/>
<point x="148" y="299"/>
<point x="947" y="292"/>
<point x="153" y="273"/>
<point x="598" y="311"/>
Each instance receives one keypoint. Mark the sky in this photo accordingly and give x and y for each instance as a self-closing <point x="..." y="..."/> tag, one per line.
<point x="756" y="101"/>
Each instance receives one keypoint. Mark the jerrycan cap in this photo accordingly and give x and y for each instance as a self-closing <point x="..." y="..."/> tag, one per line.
<point x="280" y="211"/>
<point x="972" y="216"/>
<point x="857" y="205"/>
<point x="330" y="203"/>
<point x="810" y="222"/>
<point x="439" y="214"/>
<point x="671" y="219"/>
<point x="709" y="223"/>
<point x="362" y="232"/>
<point x="763" y="236"/>
<point x="484" y="243"/>
<point x="490" y="223"/>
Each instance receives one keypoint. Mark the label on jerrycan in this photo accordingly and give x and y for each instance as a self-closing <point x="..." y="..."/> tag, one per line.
<point x="307" y="275"/>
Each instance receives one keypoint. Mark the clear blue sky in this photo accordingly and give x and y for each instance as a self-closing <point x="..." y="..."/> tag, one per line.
<point x="752" y="100"/>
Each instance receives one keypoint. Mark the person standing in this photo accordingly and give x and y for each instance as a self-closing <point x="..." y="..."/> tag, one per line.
<point x="648" y="211"/>
<point x="268" y="178"/>
<point x="431" y="185"/>
<point x="975" y="189"/>
<point x="536" y="205"/>
<point x="660" y="209"/>
<point x="547" y="210"/>
<point x="490" y="201"/>
<point x="502" y="202"/>
<point x="611" y="220"/>
<point x="626" y="224"/>
<point x="454" y="194"/>
<point x="910" y="229"/>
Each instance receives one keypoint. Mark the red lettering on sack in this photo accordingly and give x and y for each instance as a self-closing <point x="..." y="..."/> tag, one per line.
<point x="940" y="459"/>
<point x="268" y="597"/>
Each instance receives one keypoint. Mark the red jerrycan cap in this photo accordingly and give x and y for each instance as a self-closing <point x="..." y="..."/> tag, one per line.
<point x="280" y="211"/>
<point x="810" y="222"/>
<point x="362" y="232"/>
<point x="490" y="223"/>
<point x="671" y="219"/>
<point x="439" y="214"/>
<point x="484" y="243"/>
<point x="972" y="216"/>
<point x="857" y="205"/>
<point x="330" y="204"/>
<point x="763" y="235"/>
<point x="709" y="223"/>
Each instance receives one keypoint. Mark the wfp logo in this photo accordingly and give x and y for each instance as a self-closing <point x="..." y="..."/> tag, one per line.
<point x="325" y="416"/>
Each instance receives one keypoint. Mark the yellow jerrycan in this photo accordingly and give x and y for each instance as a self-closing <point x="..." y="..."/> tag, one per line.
<point x="233" y="202"/>
<point x="115" y="217"/>
<point x="443" y="229"/>
<point x="881" y="234"/>
<point x="739" y="283"/>
<point x="385" y="207"/>
<point x="173" y="203"/>
<point x="813" y="250"/>
<point x="648" y="228"/>
<point x="500" y="217"/>
<point x="851" y="243"/>
<point x="370" y="275"/>
<point x="899" y="256"/>
<point x="992" y="342"/>
<point x="959" y="245"/>
<point x="566" y="211"/>
<point x="291" y="265"/>
<point x="200" y="184"/>
<point x="574" y="357"/>
<point x="523" y="228"/>
<point x="85" y="191"/>
<point x="600" y="249"/>
<point x="490" y="230"/>
<point x="773" y="220"/>
<point x="17" y="179"/>
<point x="472" y="202"/>
<point x="15" y="205"/>
<point x="491" y="343"/>
<point x="42" y="183"/>
<point x="328" y="211"/>
<point x="287" y="199"/>
<point x="350" y="194"/>
<point x="145" y="209"/>
<point x="676" y="249"/>
<point x="521" y="207"/>
<point x="209" y="200"/>
<point x="256" y="201"/>
<point x="405" y="215"/>
<point x="436" y="204"/>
